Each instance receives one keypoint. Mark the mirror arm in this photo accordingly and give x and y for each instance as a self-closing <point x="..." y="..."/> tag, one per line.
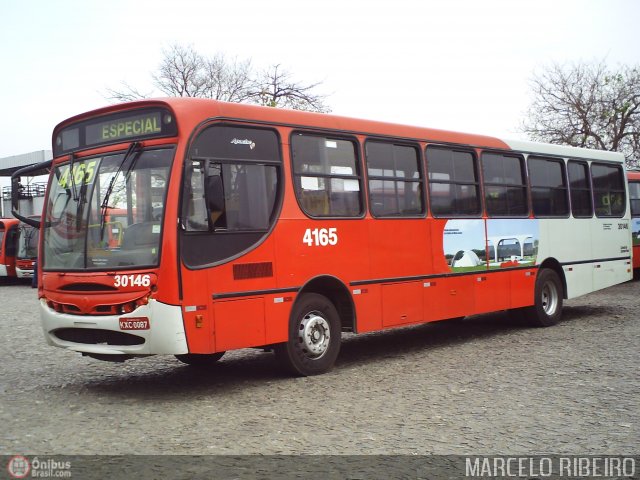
<point x="31" y="170"/>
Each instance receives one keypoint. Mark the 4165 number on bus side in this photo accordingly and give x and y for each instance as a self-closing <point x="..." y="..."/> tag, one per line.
<point x="320" y="237"/>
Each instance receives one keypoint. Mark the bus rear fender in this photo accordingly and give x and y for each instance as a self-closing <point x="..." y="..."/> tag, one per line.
<point x="554" y="265"/>
<point x="338" y="293"/>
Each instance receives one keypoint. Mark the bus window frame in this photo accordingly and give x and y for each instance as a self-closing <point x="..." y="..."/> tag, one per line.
<point x="277" y="208"/>
<point x="625" y="187"/>
<point x="331" y="135"/>
<point x="563" y="166"/>
<point x="589" y="185"/>
<point x="474" y="154"/>
<point x="634" y="214"/>
<point x="523" y="169"/>
<point x="421" y="180"/>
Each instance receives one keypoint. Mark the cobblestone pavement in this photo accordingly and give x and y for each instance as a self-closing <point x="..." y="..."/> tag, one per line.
<point x="477" y="386"/>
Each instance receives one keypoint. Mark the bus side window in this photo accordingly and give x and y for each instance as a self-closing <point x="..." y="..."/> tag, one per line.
<point x="634" y="193"/>
<point x="608" y="190"/>
<point x="505" y="185"/>
<point x="454" y="189"/>
<point x="395" y="180"/>
<point x="12" y="241"/>
<point x="580" y="189"/>
<point x="549" y="193"/>
<point x="326" y="176"/>
<point x="214" y="195"/>
<point x="195" y="208"/>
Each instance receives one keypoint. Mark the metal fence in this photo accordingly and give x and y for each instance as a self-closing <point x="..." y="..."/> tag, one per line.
<point x="31" y="190"/>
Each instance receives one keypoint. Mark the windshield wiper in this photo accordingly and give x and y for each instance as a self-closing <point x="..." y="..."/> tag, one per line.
<point x="81" y="200"/>
<point x="105" y="201"/>
<point x="74" y="192"/>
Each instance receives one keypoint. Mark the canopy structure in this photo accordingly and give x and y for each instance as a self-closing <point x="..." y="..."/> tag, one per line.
<point x="8" y="165"/>
<point x="34" y="190"/>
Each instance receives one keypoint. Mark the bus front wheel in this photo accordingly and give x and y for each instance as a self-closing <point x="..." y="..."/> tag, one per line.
<point x="547" y="309"/>
<point x="314" y="336"/>
<point x="202" y="360"/>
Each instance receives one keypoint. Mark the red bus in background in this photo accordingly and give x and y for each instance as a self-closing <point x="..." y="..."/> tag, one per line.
<point x="634" y="196"/>
<point x="27" y="250"/>
<point x="261" y="227"/>
<point x="8" y="243"/>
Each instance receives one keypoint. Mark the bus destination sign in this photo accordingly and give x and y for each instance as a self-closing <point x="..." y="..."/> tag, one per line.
<point x="119" y="127"/>
<point x="128" y="127"/>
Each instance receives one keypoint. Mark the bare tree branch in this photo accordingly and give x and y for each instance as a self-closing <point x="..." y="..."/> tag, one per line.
<point x="587" y="105"/>
<point x="126" y="94"/>
<point x="184" y="72"/>
<point x="276" y="88"/>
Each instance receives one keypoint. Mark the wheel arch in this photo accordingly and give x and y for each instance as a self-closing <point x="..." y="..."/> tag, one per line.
<point x="338" y="293"/>
<point x="553" y="264"/>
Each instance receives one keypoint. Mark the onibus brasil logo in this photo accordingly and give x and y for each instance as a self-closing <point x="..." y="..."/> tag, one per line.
<point x="20" y="466"/>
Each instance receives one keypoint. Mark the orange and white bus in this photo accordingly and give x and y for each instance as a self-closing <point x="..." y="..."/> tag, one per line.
<point x="8" y="242"/>
<point x="634" y="195"/>
<point x="261" y="227"/>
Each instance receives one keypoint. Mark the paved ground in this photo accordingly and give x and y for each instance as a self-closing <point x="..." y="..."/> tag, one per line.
<point x="477" y="386"/>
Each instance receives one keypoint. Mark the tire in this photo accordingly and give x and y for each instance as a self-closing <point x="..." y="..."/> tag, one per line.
<point x="200" y="360"/>
<point x="547" y="309"/>
<point x="314" y="337"/>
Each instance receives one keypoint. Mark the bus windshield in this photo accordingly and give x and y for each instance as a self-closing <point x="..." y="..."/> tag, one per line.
<point x="79" y="230"/>
<point x="28" y="242"/>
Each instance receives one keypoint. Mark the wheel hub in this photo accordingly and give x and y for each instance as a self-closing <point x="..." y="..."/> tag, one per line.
<point x="549" y="298"/>
<point x="314" y="335"/>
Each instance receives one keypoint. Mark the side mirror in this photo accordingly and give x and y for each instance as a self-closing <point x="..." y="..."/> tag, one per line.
<point x="18" y="191"/>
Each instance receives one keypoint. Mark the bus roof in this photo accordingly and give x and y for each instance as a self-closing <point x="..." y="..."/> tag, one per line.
<point x="565" y="151"/>
<point x="192" y="111"/>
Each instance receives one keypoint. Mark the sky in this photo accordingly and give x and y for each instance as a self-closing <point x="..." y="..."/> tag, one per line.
<point x="460" y="65"/>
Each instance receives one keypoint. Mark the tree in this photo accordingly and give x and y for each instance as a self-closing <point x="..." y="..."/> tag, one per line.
<point x="276" y="88"/>
<point x="587" y="105"/>
<point x="183" y="72"/>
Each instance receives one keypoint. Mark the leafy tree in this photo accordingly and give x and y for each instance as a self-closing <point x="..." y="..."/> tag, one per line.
<point x="183" y="72"/>
<point x="587" y="105"/>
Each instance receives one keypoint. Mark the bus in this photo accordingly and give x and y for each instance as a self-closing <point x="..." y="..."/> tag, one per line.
<point x="27" y="250"/>
<point x="8" y="242"/>
<point x="634" y="195"/>
<point x="261" y="227"/>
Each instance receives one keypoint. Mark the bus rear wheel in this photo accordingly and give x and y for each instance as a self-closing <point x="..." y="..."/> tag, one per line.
<point x="314" y="337"/>
<point x="547" y="309"/>
<point x="201" y="360"/>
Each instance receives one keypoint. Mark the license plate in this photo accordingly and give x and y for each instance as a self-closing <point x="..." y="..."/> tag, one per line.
<point x="134" y="323"/>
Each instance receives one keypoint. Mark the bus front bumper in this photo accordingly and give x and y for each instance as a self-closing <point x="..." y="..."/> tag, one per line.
<point x="155" y="328"/>
<point x="20" y="273"/>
